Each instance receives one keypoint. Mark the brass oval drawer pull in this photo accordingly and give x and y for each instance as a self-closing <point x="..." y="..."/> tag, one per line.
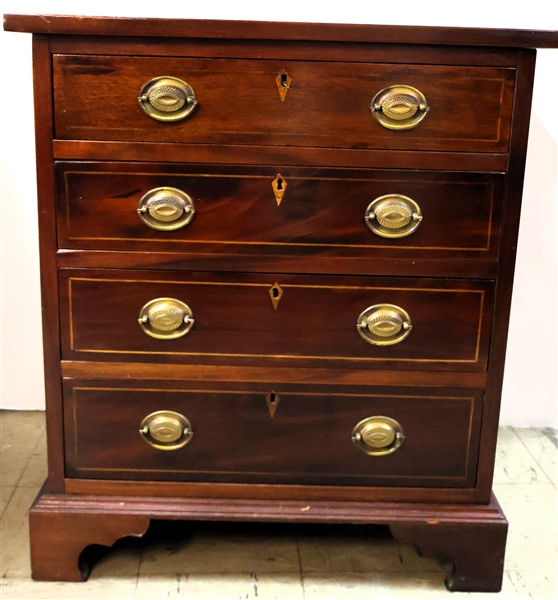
<point x="167" y="99"/>
<point x="384" y="324"/>
<point x="166" y="208"/>
<point x="166" y="430"/>
<point x="399" y="107"/>
<point x="393" y="216"/>
<point x="378" y="436"/>
<point x="166" y="318"/>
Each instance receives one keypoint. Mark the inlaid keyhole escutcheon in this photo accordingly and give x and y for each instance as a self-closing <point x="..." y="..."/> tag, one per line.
<point x="275" y="293"/>
<point x="279" y="186"/>
<point x="166" y="318"/>
<point x="378" y="436"/>
<point x="399" y="107"/>
<point x="166" y="208"/>
<point x="283" y="81"/>
<point x="272" y="401"/>
<point x="166" y="430"/>
<point x="384" y="324"/>
<point x="167" y="99"/>
<point x="393" y="216"/>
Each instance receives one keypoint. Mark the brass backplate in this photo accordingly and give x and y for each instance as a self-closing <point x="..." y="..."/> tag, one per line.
<point x="393" y="216"/>
<point x="399" y="107"/>
<point x="166" y="318"/>
<point x="166" y="208"/>
<point x="384" y="324"/>
<point x="166" y="430"/>
<point x="378" y="435"/>
<point x="167" y="99"/>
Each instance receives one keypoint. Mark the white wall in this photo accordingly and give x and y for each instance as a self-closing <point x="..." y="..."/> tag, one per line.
<point x="530" y="382"/>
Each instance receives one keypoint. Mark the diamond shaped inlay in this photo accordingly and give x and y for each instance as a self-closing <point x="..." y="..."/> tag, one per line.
<point x="275" y="293"/>
<point x="283" y="81"/>
<point x="272" y="400"/>
<point x="279" y="186"/>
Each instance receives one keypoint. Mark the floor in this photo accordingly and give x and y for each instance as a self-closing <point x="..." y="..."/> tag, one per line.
<point x="245" y="561"/>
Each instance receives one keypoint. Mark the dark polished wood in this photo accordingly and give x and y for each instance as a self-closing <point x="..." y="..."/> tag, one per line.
<point x="314" y="323"/>
<point x="321" y="212"/>
<point x="59" y="536"/>
<point x="238" y="263"/>
<point x="276" y="49"/>
<point x="254" y="114"/>
<point x="42" y="85"/>
<point x="263" y="491"/>
<point x="502" y="302"/>
<point x="261" y="30"/>
<point x="72" y="522"/>
<point x="349" y="378"/>
<point x="463" y="163"/>
<point x="274" y="155"/>
<point x="305" y="440"/>
<point x="473" y="571"/>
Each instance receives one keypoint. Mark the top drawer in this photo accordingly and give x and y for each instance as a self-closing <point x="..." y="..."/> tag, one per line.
<point x="319" y="104"/>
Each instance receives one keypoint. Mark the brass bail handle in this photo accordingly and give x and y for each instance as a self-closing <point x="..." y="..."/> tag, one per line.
<point x="167" y="98"/>
<point x="399" y="107"/>
<point x="166" y="208"/>
<point x="166" y="430"/>
<point x="166" y="318"/>
<point x="378" y="435"/>
<point x="384" y="324"/>
<point x="393" y="216"/>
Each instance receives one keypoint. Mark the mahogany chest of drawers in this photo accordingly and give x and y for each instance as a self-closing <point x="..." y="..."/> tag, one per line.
<point x="277" y="268"/>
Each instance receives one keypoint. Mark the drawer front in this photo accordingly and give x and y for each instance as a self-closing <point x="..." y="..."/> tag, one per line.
<point x="271" y="434"/>
<point x="275" y="319"/>
<point x="280" y="210"/>
<point x="327" y="103"/>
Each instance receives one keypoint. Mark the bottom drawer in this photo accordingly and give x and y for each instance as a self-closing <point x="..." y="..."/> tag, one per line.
<point x="256" y="433"/>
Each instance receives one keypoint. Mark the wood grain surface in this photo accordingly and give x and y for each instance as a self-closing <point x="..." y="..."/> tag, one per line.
<point x="307" y="440"/>
<point x="314" y="323"/>
<point x="328" y="103"/>
<point x="321" y="212"/>
<point x="100" y="264"/>
<point x="316" y="32"/>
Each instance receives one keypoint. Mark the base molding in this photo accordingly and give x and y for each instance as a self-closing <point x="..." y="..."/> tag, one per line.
<point x="473" y="536"/>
